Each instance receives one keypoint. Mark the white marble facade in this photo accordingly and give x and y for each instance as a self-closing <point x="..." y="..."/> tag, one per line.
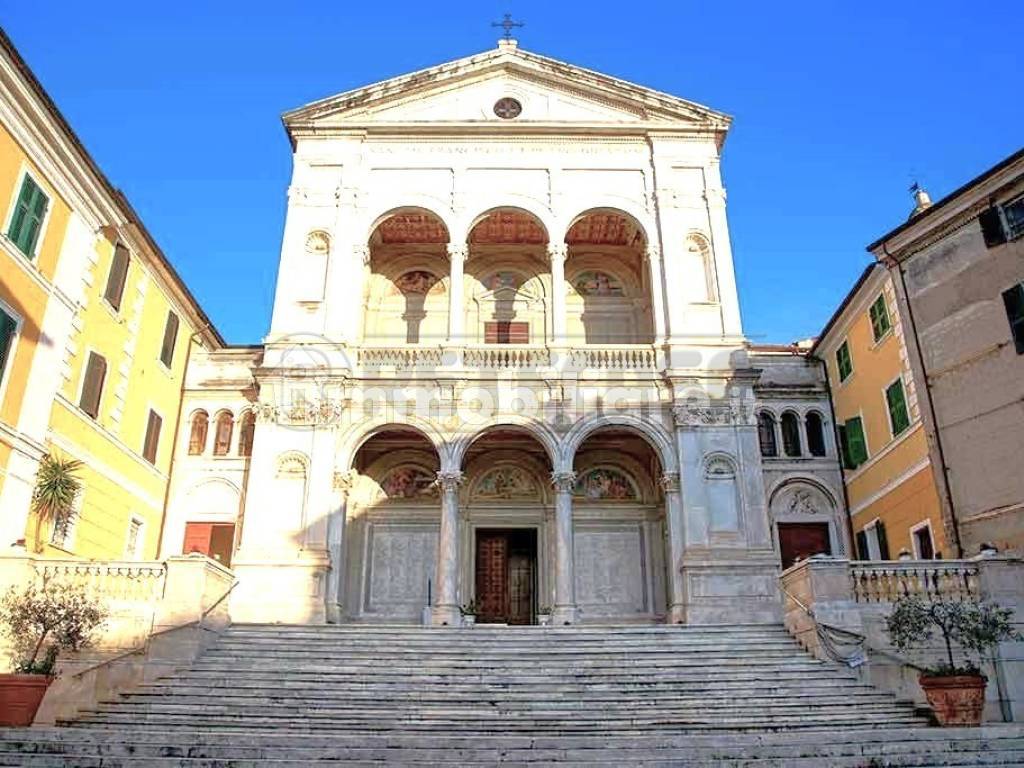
<point x="505" y="301"/>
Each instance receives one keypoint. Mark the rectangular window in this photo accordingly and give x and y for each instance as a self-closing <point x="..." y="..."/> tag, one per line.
<point x="27" y="221"/>
<point x="152" y="442"/>
<point x="877" y="541"/>
<point x="8" y="328"/>
<point x="92" y="384"/>
<point x="134" y="541"/>
<point x="924" y="547"/>
<point x="63" y="533"/>
<point x="1013" y="212"/>
<point x="855" y="449"/>
<point x="170" y="339"/>
<point x="506" y="332"/>
<point x="116" y="277"/>
<point x="844" y="363"/>
<point x="896" y="401"/>
<point x="1013" y="299"/>
<point x="880" y="323"/>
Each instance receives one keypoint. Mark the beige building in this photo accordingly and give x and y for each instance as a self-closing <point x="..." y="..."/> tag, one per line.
<point x="957" y="271"/>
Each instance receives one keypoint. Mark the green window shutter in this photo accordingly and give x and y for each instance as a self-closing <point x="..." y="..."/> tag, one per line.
<point x="8" y="326"/>
<point x="29" y="212"/>
<point x="883" y="540"/>
<point x="844" y="363"/>
<point x="170" y="339"/>
<point x="880" y="323"/>
<point x="152" y="441"/>
<point x="899" y="416"/>
<point x="117" y="277"/>
<point x="857" y="448"/>
<point x="862" y="546"/>
<point x="92" y="387"/>
<point x="844" y="448"/>
<point x="1013" y="299"/>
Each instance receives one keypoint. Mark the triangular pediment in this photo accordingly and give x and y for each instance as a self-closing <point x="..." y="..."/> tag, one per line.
<point x="467" y="91"/>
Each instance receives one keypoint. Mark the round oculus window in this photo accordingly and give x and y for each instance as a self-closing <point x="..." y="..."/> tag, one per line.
<point x="507" y="108"/>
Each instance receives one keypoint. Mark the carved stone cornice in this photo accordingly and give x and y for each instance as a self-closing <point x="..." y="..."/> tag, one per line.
<point x="311" y="413"/>
<point x="563" y="482"/>
<point x="450" y="480"/>
<point x="713" y="414"/>
<point x="670" y="482"/>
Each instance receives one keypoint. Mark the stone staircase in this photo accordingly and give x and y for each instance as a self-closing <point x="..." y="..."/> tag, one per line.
<point x="683" y="696"/>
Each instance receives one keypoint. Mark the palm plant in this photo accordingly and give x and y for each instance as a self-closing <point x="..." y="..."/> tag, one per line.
<point x="53" y="498"/>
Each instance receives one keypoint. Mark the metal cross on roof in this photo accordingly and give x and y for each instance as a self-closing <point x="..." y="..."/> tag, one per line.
<point x="508" y="25"/>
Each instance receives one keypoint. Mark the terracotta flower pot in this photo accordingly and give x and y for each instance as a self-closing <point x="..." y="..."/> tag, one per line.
<point x="20" y="697"/>
<point x="956" y="699"/>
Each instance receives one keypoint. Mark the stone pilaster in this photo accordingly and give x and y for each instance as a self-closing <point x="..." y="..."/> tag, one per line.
<point x="676" y="544"/>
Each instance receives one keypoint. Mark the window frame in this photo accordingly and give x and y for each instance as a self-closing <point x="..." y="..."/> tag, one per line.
<point x="168" y="364"/>
<point x="888" y="406"/>
<point x="871" y="536"/>
<point x="795" y="417"/>
<point x="139" y="538"/>
<point x="763" y="418"/>
<point x="914" y="529"/>
<point x="70" y="532"/>
<point x="8" y="363"/>
<point x="821" y="433"/>
<point x="879" y="337"/>
<point x="116" y="309"/>
<point x="231" y="434"/>
<point x="844" y="448"/>
<point x="26" y="172"/>
<point x="1016" y="326"/>
<point x="845" y="344"/>
<point x="1012" y="233"/>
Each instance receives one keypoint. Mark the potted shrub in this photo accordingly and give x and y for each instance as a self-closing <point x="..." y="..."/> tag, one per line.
<point x="544" y="616"/>
<point x="53" y="497"/>
<point x="40" y="623"/>
<point x="956" y="692"/>
<point x="469" y="611"/>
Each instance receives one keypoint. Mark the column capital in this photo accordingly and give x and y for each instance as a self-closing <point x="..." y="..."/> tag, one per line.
<point x="362" y="254"/>
<point x="653" y="253"/>
<point x="670" y="482"/>
<point x="343" y="481"/>
<point x="457" y="251"/>
<point x="563" y="481"/>
<point x="450" y="480"/>
<point x="558" y="251"/>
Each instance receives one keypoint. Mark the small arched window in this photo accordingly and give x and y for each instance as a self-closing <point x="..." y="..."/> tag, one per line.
<point x="766" y="434"/>
<point x="246" y="432"/>
<point x="790" y="434"/>
<point x="197" y="435"/>
<point x="222" y="436"/>
<point x="815" y="434"/>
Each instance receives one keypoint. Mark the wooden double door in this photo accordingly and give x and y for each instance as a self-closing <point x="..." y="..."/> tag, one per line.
<point x="506" y="575"/>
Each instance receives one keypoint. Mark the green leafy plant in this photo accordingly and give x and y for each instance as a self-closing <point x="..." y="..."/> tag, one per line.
<point x="975" y="627"/>
<point x="53" y="498"/>
<point x="470" y="609"/>
<point x="41" y="622"/>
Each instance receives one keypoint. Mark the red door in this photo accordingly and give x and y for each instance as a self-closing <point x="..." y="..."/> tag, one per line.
<point x="215" y="540"/>
<point x="798" y="541"/>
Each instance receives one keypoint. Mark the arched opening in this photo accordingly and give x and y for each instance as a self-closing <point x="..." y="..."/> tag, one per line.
<point x="197" y="433"/>
<point x="391" y="526"/>
<point x="246" y="433"/>
<point x="609" y="285"/>
<point x="805" y="521"/>
<point x="508" y="279"/>
<point x="815" y="434"/>
<point x="619" y="527"/>
<point x="505" y="491"/>
<point x="790" y="434"/>
<point x="223" y="428"/>
<point x="766" y="435"/>
<point x="406" y="285"/>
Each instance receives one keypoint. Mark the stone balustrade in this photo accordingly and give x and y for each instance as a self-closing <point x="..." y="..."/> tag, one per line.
<point x="886" y="582"/>
<point x="109" y="580"/>
<point x="507" y="356"/>
<point x="831" y="602"/>
<point x="615" y="358"/>
<point x="399" y="357"/>
<point x="597" y="357"/>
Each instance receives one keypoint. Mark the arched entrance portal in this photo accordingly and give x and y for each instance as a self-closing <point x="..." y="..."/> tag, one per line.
<point x="391" y="528"/>
<point x="506" y="508"/>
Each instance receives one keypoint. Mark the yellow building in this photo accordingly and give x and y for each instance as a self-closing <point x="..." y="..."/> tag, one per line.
<point x="892" y="495"/>
<point x="95" y="332"/>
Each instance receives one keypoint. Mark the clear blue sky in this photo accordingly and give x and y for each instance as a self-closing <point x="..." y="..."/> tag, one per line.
<point x="837" y="107"/>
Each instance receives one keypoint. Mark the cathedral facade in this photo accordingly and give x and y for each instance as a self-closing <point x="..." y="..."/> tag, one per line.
<point x="505" y="373"/>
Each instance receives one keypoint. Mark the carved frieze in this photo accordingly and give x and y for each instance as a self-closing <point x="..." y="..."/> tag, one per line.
<point x="737" y="414"/>
<point x="306" y="413"/>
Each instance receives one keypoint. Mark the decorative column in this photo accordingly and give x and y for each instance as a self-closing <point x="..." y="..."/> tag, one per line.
<point x="457" y="255"/>
<point x="335" y="541"/>
<point x="676" y="544"/>
<point x="360" y="274"/>
<point x="557" y="254"/>
<point x="653" y="255"/>
<point x="446" y="601"/>
<point x="565" y="576"/>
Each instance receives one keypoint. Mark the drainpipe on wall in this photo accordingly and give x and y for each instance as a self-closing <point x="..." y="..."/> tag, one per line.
<point x="892" y="263"/>
<point x="842" y="470"/>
